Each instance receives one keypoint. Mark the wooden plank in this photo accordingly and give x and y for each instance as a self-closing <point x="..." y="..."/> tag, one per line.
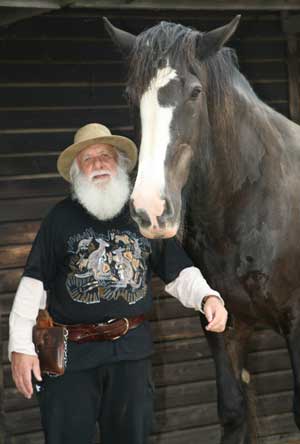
<point x="55" y="95"/>
<point x="68" y="74"/>
<point x="209" y="435"/>
<point x="52" y="96"/>
<point x="9" y="280"/>
<point x="13" y="256"/>
<point x="171" y="351"/>
<point x="63" y="118"/>
<point x="283" y="423"/>
<point x="43" y="72"/>
<point x="293" y="74"/>
<point x="29" y="165"/>
<point x="18" y="233"/>
<point x="291" y="24"/>
<point x="171" y="419"/>
<point x="103" y="50"/>
<point x="43" y="4"/>
<point x="31" y="187"/>
<point x="45" y="140"/>
<point x="13" y="15"/>
<point x="67" y="25"/>
<point x="6" y="300"/>
<point x="96" y="50"/>
<point x="27" y="209"/>
<point x="190" y="4"/>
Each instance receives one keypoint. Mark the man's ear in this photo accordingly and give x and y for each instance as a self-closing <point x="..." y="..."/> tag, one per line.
<point x="124" y="40"/>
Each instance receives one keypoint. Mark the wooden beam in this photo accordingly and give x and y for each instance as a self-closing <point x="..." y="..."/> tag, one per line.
<point x="239" y="5"/>
<point x="40" y="4"/>
<point x="13" y="15"/>
<point x="291" y="24"/>
<point x="11" y="12"/>
<point x="293" y="72"/>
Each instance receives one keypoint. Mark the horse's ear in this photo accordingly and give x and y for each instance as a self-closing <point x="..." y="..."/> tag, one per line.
<point x="124" y="40"/>
<point x="214" y="40"/>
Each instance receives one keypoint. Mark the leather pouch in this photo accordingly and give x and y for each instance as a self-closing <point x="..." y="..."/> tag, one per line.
<point x="50" y="343"/>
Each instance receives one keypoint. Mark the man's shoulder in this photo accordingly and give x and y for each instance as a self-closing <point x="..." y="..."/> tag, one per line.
<point x="60" y="210"/>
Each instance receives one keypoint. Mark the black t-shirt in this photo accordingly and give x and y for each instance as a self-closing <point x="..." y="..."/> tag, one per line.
<point x="96" y="270"/>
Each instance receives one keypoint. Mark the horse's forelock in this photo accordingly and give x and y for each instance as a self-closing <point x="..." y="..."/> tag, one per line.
<point x="164" y="42"/>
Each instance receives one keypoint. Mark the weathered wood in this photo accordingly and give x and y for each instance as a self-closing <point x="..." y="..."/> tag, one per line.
<point x="66" y="25"/>
<point x="42" y="72"/>
<point x="16" y="233"/>
<point x="63" y="118"/>
<point x="43" y="140"/>
<point x="293" y="54"/>
<point x="189" y="349"/>
<point x="190" y="4"/>
<point x="47" y="185"/>
<point x="29" y="209"/>
<point x="9" y="280"/>
<point x="55" y="95"/>
<point x="208" y="435"/>
<point x="103" y="51"/>
<point x="14" y="15"/>
<point x="43" y="4"/>
<point x="13" y="256"/>
<point x="29" y="165"/>
<point x="171" y="419"/>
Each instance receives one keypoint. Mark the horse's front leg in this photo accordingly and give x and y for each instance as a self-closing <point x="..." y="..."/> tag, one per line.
<point x="228" y="350"/>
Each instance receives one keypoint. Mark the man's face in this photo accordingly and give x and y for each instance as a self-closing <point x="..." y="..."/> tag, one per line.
<point x="98" y="162"/>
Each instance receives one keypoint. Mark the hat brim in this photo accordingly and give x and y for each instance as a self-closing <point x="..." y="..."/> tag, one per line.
<point x="121" y="143"/>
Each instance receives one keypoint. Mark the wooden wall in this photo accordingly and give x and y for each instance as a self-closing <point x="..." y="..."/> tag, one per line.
<point x="58" y="72"/>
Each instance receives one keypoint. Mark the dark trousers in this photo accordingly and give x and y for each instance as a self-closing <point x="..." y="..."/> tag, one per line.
<point x="118" y="396"/>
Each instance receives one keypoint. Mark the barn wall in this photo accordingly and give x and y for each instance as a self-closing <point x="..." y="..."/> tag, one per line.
<point x="58" y="72"/>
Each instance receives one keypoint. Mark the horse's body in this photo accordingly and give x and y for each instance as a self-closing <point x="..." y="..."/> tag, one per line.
<point x="242" y="210"/>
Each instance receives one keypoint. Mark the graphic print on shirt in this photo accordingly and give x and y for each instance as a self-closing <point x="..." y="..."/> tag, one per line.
<point x="107" y="267"/>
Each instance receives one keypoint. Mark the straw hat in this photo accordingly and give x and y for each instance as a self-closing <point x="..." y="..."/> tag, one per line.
<point x="89" y="135"/>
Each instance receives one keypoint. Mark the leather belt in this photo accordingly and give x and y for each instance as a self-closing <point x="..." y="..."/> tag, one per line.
<point x="106" y="331"/>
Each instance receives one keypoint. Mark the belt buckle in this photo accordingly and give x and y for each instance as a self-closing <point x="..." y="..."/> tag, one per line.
<point x="126" y="327"/>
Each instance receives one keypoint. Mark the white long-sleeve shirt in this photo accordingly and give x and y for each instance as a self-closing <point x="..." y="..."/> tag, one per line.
<point x="189" y="288"/>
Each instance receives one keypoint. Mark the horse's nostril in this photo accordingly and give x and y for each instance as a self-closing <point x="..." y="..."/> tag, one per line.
<point x="167" y="214"/>
<point x="169" y="209"/>
<point x="140" y="216"/>
<point x="132" y="208"/>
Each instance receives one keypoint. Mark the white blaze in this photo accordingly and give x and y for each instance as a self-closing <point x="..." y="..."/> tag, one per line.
<point x="155" y="120"/>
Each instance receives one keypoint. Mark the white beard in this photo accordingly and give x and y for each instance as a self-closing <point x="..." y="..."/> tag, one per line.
<point x="104" y="201"/>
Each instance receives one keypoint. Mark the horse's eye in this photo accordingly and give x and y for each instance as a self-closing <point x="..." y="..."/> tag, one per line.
<point x="195" y="92"/>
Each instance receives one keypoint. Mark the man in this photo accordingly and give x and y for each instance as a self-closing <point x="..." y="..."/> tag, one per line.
<point x="96" y="267"/>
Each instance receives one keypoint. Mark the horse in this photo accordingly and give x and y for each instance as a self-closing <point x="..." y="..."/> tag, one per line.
<point x="223" y="168"/>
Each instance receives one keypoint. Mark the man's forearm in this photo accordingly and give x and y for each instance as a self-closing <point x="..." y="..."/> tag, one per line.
<point x="30" y="297"/>
<point x="190" y="288"/>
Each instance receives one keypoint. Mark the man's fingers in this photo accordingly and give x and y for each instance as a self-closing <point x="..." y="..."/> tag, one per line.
<point x="23" y="383"/>
<point x="218" y="322"/>
<point x="208" y="314"/>
<point x="22" y="367"/>
<point x="36" y="370"/>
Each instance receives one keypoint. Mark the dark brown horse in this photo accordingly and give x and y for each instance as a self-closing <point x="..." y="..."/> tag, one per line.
<point x="220" y="161"/>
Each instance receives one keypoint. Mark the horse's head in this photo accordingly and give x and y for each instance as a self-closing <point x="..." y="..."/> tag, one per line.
<point x="167" y="82"/>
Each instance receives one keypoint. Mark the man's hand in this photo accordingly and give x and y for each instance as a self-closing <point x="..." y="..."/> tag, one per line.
<point x="215" y="313"/>
<point x="22" y="366"/>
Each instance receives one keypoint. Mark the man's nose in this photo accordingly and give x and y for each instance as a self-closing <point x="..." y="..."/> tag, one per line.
<point x="98" y="163"/>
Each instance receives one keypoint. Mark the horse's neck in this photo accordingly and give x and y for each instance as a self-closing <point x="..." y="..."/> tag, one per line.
<point x="229" y="164"/>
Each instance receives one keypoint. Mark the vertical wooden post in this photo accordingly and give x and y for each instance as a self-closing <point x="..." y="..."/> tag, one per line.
<point x="293" y="69"/>
<point x="2" y="415"/>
